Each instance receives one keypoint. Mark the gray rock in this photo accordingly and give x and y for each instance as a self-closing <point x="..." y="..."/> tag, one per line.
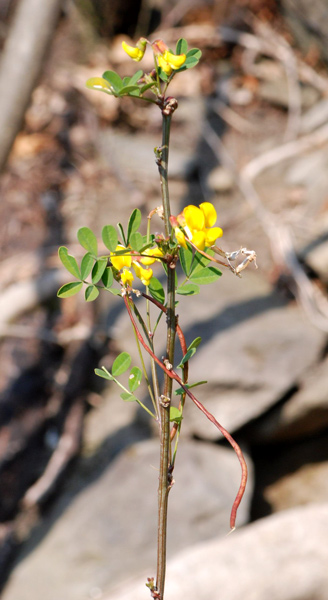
<point x="109" y="529"/>
<point x="305" y="413"/>
<point x="255" y="348"/>
<point x="282" y="557"/>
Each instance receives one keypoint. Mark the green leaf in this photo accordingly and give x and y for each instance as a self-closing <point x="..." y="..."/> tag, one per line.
<point x="205" y="276"/>
<point x="91" y="293"/>
<point x="190" y="62"/>
<point x="135" y="378"/>
<point x="104" y="373"/>
<point x="175" y="414"/>
<point x="128" y="89"/>
<point x="189" y="354"/>
<point x="162" y="75"/>
<point x="114" y="291"/>
<point x="86" y="265"/>
<point x="98" y="269"/>
<point x="110" y="237"/>
<point x="127" y="397"/>
<point x="156" y="290"/>
<point x="107" y="277"/>
<point x="195" y="343"/>
<point x="121" y="364"/>
<point x="194" y="53"/>
<point x="69" y="289"/>
<point x="181" y="391"/>
<point x="88" y="240"/>
<point x="135" y="78"/>
<point x="126" y="81"/>
<point x="200" y="261"/>
<point x="136" y="241"/>
<point x="147" y="86"/>
<point x="134" y="223"/>
<point x="188" y="289"/>
<point x="69" y="262"/>
<point x="182" y="46"/>
<point x="186" y="256"/>
<point x="121" y="230"/>
<point x="113" y="79"/>
<point x="98" y="83"/>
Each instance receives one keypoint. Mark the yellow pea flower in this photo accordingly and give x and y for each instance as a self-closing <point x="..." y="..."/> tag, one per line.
<point x="164" y="65"/>
<point x="174" y="60"/>
<point x="197" y="226"/>
<point x="144" y="275"/>
<point x="122" y="260"/>
<point x="127" y="277"/>
<point x="135" y="52"/>
<point x="151" y="254"/>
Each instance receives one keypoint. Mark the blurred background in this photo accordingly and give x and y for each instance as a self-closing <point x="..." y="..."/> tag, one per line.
<point x="78" y="467"/>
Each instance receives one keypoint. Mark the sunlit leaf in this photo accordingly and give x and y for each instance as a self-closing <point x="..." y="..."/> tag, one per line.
<point x="121" y="364"/>
<point x="69" y="289"/>
<point x="126" y="90"/>
<point x="182" y="46"/>
<point x="91" y="293"/>
<point x="121" y="230"/>
<point x="113" y="79"/>
<point x="156" y="290"/>
<point x="205" y="276"/>
<point x="88" y="240"/>
<point x="186" y="256"/>
<point x="98" y="269"/>
<point x="110" y="237"/>
<point x="104" y="373"/>
<point x="175" y="414"/>
<point x="69" y="262"/>
<point x="187" y="357"/>
<point x="195" y="343"/>
<point x="86" y="265"/>
<point x="135" y="378"/>
<point x="98" y="83"/>
<point x="135" y="78"/>
<point x="136" y="241"/>
<point x="181" y="391"/>
<point x="188" y="289"/>
<point x="107" y="277"/>
<point x="134" y="222"/>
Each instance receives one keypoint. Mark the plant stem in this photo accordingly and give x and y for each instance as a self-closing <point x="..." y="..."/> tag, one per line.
<point x="165" y="444"/>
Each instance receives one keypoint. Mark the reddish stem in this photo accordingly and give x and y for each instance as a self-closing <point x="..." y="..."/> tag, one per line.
<point x="211" y="418"/>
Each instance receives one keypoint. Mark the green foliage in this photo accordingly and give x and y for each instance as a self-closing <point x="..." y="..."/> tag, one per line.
<point x="175" y="414"/>
<point x="69" y="262"/>
<point x="87" y="263"/>
<point x="180" y="391"/>
<point x="190" y="351"/>
<point x="121" y="364"/>
<point x="188" y="289"/>
<point x="137" y="241"/>
<point x="98" y="269"/>
<point x="134" y="223"/>
<point x="107" y="277"/>
<point x="88" y="240"/>
<point x="156" y="290"/>
<point x="69" y="289"/>
<point x="205" y="276"/>
<point x="110" y="237"/>
<point x="135" y="378"/>
<point x="91" y="293"/>
<point x="193" y="55"/>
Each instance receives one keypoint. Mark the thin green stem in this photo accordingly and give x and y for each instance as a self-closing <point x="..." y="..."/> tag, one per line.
<point x="163" y="172"/>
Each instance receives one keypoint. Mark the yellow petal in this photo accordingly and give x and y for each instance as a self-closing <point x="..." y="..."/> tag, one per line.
<point x="180" y="237"/>
<point x="98" y="83"/>
<point x="164" y="65"/>
<point x="123" y="260"/>
<point x="195" y="218"/>
<point x="127" y="277"/>
<point x="175" y="60"/>
<point x="212" y="235"/>
<point x="198" y="238"/>
<point x="209" y="213"/>
<point x="151" y="254"/>
<point x="144" y="274"/>
<point x="134" y="52"/>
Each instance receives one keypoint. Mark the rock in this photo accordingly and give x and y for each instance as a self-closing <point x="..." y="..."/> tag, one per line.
<point x="109" y="529"/>
<point x="305" y="413"/>
<point x="282" y="557"/>
<point x="255" y="348"/>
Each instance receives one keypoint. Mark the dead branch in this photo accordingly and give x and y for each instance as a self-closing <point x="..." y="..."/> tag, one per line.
<point x="22" y="59"/>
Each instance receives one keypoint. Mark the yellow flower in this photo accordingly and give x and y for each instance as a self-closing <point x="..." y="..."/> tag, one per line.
<point x="168" y="61"/>
<point x="135" y="52"/>
<point x="122" y="260"/>
<point x="174" y="60"/>
<point x="144" y="275"/>
<point x="149" y="255"/>
<point x="197" y="224"/>
<point x="127" y="277"/>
